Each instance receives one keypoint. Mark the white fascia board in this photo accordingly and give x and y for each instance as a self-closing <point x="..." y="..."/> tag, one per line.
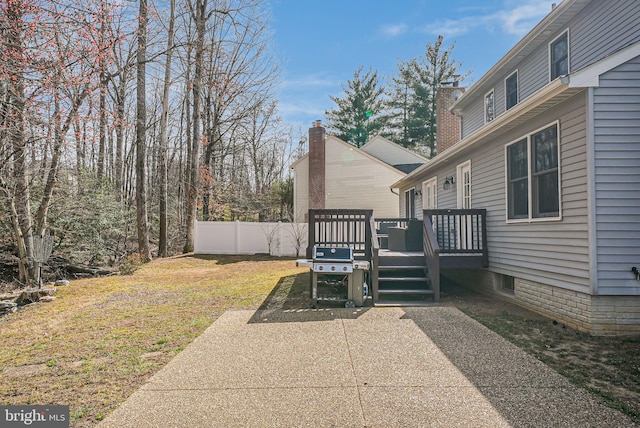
<point x="589" y="77"/>
<point x="549" y="91"/>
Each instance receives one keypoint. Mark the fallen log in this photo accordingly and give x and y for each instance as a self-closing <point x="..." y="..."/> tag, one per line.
<point x="75" y="269"/>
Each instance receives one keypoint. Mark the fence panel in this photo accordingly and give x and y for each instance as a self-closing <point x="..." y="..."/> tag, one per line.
<point x="227" y="237"/>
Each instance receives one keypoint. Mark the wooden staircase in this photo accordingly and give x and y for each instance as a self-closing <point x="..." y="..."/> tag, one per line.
<point x="403" y="280"/>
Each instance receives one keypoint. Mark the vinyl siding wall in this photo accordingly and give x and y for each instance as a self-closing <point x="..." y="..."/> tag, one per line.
<point x="616" y="120"/>
<point x="602" y="28"/>
<point x="355" y="181"/>
<point x="549" y="252"/>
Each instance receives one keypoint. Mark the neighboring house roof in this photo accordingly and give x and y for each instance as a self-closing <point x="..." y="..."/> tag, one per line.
<point x="391" y="153"/>
<point x="408" y="167"/>
<point x="383" y="152"/>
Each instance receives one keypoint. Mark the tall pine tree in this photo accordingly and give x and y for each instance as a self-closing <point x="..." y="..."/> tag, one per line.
<point x="412" y="99"/>
<point x="360" y="113"/>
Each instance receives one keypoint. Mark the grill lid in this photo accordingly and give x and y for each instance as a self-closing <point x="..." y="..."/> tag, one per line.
<point x="332" y="254"/>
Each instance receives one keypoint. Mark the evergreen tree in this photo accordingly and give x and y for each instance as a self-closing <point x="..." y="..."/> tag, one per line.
<point x="412" y="99"/>
<point x="360" y="113"/>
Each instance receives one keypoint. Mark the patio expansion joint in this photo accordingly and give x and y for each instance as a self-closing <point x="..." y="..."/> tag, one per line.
<point x="353" y="369"/>
<point x="249" y="388"/>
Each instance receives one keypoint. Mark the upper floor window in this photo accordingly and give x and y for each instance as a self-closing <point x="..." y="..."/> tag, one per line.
<point x="489" y="110"/>
<point x="559" y="56"/>
<point x="533" y="176"/>
<point x="511" y="90"/>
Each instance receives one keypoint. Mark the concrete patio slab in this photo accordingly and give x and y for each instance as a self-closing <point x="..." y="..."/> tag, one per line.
<point x="367" y="367"/>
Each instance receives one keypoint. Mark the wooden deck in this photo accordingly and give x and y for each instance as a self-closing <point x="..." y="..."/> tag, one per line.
<point x="452" y="239"/>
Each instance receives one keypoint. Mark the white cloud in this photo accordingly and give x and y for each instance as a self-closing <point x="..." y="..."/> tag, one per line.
<point x="520" y="20"/>
<point x="451" y="27"/>
<point x="314" y="80"/>
<point x="512" y="20"/>
<point x="393" y="30"/>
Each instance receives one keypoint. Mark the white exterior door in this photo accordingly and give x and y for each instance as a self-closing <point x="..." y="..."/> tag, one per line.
<point x="465" y="226"/>
<point x="464" y="185"/>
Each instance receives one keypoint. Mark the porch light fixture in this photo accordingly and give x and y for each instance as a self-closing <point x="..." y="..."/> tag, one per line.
<point x="448" y="181"/>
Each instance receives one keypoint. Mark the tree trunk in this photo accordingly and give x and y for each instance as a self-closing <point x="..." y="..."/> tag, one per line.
<point x="22" y="199"/>
<point x="162" y="245"/>
<point x="141" y="124"/>
<point x="120" y="121"/>
<point x="102" y="113"/>
<point x="192" y="193"/>
<point x="60" y="131"/>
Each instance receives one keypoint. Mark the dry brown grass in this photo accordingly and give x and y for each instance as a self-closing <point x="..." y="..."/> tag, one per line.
<point x="102" y="338"/>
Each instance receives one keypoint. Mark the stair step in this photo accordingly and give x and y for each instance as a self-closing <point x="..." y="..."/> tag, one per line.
<point x="396" y="267"/>
<point x="384" y="303"/>
<point x="423" y="291"/>
<point x="402" y="279"/>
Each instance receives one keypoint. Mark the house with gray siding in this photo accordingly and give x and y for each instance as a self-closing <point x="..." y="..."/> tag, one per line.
<point x="549" y="146"/>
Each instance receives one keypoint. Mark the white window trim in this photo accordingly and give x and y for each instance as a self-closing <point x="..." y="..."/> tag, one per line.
<point x="406" y="215"/>
<point x="484" y="103"/>
<point x="530" y="218"/>
<point x="506" y="94"/>
<point x="433" y="182"/>
<point x="566" y="31"/>
<point x="460" y="183"/>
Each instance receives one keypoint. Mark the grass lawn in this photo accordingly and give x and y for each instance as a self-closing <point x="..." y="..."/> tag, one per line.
<point x="102" y="338"/>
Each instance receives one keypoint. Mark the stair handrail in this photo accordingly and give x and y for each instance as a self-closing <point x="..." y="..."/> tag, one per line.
<point x="432" y="256"/>
<point x="373" y="258"/>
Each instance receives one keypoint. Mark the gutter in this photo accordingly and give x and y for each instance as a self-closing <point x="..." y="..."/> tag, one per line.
<point x="544" y="94"/>
<point x="540" y="30"/>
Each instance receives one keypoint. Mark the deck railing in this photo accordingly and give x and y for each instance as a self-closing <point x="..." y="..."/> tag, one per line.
<point x="373" y="259"/>
<point x="432" y="257"/>
<point x="340" y="228"/>
<point x="347" y="228"/>
<point x="460" y="232"/>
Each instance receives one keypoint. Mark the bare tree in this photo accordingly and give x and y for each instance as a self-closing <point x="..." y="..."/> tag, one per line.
<point x="200" y="16"/>
<point x="141" y="136"/>
<point x="164" y="119"/>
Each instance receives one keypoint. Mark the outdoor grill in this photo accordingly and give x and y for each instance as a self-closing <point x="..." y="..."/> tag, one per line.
<point x="337" y="261"/>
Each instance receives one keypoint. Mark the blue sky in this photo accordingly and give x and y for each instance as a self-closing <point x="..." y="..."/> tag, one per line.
<point x="322" y="43"/>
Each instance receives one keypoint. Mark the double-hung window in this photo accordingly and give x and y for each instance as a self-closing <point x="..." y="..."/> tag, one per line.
<point x="430" y="194"/>
<point x="533" y="176"/>
<point x="559" y="56"/>
<point x="489" y="107"/>
<point x="511" y="90"/>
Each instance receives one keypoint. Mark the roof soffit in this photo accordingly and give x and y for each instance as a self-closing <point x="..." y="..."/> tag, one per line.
<point x="546" y="98"/>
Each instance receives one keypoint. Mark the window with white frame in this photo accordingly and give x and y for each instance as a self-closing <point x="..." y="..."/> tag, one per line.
<point x="489" y="110"/>
<point x="533" y="176"/>
<point x="511" y="90"/>
<point x="430" y="194"/>
<point x="409" y="203"/>
<point x="559" y="56"/>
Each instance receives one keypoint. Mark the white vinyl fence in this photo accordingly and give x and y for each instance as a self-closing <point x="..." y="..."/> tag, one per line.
<point x="235" y="237"/>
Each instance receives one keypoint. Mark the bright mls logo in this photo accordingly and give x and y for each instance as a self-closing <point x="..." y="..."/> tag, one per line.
<point x="34" y="416"/>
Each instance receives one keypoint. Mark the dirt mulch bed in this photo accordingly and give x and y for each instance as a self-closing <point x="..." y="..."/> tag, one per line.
<point x="608" y="367"/>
